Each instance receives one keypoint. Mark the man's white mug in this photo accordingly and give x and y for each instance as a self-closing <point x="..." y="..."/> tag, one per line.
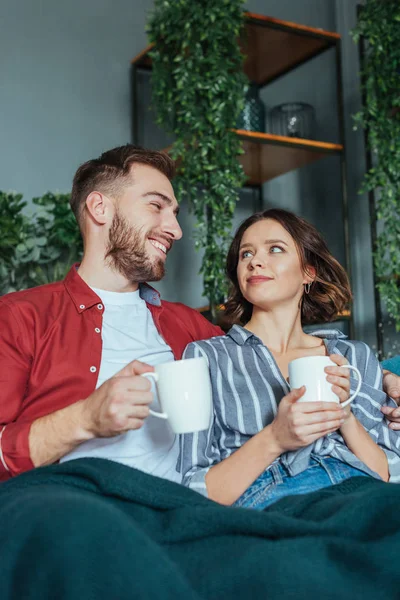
<point x="185" y="394"/>
<point x="310" y="371"/>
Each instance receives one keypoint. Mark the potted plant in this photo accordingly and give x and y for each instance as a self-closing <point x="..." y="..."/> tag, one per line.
<point x="39" y="249"/>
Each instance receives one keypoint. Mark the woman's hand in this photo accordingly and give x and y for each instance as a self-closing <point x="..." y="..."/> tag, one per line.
<point x="299" y="424"/>
<point x="340" y="380"/>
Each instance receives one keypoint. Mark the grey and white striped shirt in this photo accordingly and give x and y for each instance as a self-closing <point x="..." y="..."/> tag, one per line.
<point x="247" y="388"/>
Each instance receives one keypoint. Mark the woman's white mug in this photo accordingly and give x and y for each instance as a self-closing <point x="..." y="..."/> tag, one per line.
<point x="310" y="371"/>
<point x="185" y="394"/>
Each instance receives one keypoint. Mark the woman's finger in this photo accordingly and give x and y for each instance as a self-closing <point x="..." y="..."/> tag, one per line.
<point x="321" y="429"/>
<point x="342" y="382"/>
<point x="304" y="420"/>
<point x="342" y="394"/>
<point x="319" y="435"/>
<point x="312" y="407"/>
<point x="338" y="360"/>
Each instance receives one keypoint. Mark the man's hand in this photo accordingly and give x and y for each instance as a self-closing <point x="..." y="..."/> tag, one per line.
<point x="391" y="386"/>
<point x="120" y="404"/>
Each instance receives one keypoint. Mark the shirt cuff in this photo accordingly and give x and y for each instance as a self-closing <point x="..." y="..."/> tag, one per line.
<point x="14" y="450"/>
<point x="197" y="481"/>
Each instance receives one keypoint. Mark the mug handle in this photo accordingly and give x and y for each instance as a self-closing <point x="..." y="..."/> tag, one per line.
<point x="358" y="384"/>
<point x="154" y="377"/>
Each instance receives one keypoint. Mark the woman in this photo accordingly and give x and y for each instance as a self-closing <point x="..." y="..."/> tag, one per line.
<point x="262" y="445"/>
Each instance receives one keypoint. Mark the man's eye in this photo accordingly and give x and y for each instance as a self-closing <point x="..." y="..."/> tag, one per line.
<point x="156" y="204"/>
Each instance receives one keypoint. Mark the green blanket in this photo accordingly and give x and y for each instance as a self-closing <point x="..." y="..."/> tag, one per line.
<point x="91" y="529"/>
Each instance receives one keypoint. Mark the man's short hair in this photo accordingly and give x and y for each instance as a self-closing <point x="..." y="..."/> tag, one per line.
<point x="110" y="173"/>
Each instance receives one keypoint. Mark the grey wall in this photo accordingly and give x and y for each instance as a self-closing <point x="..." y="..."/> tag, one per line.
<point x="65" y="97"/>
<point x="64" y="86"/>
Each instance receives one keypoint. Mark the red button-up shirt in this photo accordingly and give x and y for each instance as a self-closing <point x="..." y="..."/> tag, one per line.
<point x="50" y="353"/>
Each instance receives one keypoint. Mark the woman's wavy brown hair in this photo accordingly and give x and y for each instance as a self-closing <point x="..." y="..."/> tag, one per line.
<point x="330" y="292"/>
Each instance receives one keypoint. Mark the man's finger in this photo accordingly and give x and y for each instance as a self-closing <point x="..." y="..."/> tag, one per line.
<point x="132" y="384"/>
<point x="387" y="410"/>
<point x="134" y="368"/>
<point x="138" y="412"/>
<point x="393" y="413"/>
<point x="391" y="385"/>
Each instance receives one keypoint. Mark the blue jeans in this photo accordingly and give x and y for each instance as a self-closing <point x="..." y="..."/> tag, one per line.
<point x="276" y="483"/>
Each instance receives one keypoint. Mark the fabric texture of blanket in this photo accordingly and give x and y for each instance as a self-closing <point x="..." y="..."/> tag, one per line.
<point x="91" y="529"/>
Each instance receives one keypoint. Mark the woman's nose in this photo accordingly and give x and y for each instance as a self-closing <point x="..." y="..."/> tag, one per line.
<point x="257" y="261"/>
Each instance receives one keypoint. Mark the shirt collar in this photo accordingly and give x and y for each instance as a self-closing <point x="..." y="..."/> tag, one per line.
<point x="241" y="336"/>
<point x="84" y="297"/>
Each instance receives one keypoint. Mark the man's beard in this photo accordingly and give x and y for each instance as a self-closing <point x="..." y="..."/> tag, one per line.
<point x="126" y="252"/>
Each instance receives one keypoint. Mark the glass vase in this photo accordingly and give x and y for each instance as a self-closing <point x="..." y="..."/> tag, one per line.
<point x="295" y="119"/>
<point x="252" y="117"/>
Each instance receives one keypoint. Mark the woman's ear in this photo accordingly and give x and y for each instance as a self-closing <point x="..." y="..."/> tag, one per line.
<point x="310" y="274"/>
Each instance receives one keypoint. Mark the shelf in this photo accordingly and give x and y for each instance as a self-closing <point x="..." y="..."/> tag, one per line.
<point x="272" y="47"/>
<point x="268" y="156"/>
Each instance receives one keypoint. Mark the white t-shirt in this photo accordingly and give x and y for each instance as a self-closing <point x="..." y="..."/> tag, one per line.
<point x="129" y="333"/>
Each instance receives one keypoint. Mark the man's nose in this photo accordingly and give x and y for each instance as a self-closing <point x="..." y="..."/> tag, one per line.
<point x="173" y="229"/>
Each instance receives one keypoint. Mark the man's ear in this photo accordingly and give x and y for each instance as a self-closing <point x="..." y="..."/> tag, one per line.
<point x="310" y="274"/>
<point x="98" y="207"/>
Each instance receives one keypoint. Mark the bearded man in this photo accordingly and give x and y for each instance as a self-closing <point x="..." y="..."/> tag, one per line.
<point x="71" y="353"/>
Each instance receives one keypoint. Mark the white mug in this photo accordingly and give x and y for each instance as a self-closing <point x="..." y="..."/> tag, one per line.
<point x="185" y="394"/>
<point x="309" y="371"/>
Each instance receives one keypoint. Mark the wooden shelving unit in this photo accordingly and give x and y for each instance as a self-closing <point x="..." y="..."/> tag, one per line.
<point x="267" y="156"/>
<point x="290" y="45"/>
<point x="273" y="48"/>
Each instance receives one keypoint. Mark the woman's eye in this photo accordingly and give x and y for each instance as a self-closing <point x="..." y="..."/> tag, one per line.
<point x="246" y="254"/>
<point x="276" y="249"/>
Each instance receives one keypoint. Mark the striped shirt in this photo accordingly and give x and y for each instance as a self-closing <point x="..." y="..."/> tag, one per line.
<point x="247" y="388"/>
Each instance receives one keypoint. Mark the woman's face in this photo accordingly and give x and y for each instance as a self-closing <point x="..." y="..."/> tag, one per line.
<point x="269" y="269"/>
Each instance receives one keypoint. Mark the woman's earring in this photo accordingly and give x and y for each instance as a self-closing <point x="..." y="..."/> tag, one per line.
<point x="307" y="288"/>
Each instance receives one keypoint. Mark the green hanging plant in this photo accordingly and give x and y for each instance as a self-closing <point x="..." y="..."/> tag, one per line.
<point x="379" y="25"/>
<point x="198" y="92"/>
<point x="39" y="249"/>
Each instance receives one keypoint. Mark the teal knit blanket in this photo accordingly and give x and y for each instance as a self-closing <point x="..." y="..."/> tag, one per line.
<point x="91" y="529"/>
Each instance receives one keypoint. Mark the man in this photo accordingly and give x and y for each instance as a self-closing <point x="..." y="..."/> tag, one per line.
<point x="68" y="386"/>
<point x="62" y="345"/>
